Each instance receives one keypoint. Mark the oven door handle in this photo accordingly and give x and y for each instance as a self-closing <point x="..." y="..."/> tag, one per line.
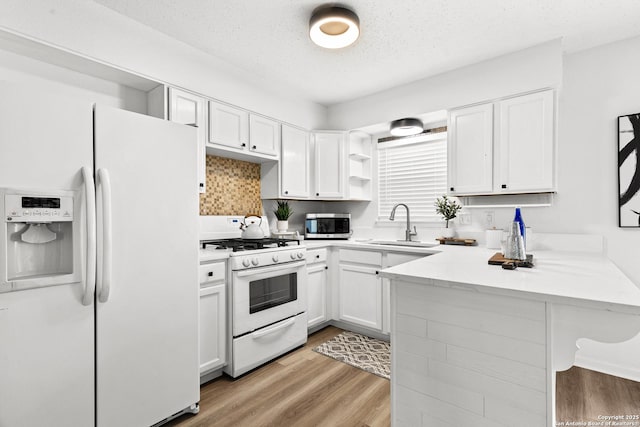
<point x="280" y="268"/>
<point x="268" y="331"/>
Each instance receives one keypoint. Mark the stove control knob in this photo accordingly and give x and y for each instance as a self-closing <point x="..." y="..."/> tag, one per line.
<point x="275" y="258"/>
<point x="293" y="255"/>
<point x="300" y="255"/>
<point x="254" y="261"/>
<point x="246" y="262"/>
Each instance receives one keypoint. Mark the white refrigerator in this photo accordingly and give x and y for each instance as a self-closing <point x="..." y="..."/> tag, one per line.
<point x="107" y="335"/>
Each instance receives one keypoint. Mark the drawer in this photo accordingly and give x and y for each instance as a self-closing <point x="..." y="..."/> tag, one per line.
<point x="361" y="257"/>
<point x="316" y="255"/>
<point x="254" y="349"/>
<point x="212" y="272"/>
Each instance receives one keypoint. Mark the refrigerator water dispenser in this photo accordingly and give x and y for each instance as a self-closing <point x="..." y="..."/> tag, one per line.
<point x="37" y="239"/>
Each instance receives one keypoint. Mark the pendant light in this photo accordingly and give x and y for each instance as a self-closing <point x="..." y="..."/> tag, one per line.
<point x="334" y="27"/>
<point x="406" y="127"/>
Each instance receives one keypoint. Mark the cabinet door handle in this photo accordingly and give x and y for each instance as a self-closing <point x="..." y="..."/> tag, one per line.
<point x="377" y="272"/>
<point x="451" y="189"/>
<point x="318" y="256"/>
<point x="286" y="192"/>
<point x="253" y="147"/>
<point x="326" y="267"/>
<point x="504" y="186"/>
<point x="243" y="145"/>
<point x="210" y="273"/>
<point x="317" y="194"/>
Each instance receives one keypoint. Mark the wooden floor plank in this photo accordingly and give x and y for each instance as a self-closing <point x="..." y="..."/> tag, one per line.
<point x="583" y="395"/>
<point x="301" y="388"/>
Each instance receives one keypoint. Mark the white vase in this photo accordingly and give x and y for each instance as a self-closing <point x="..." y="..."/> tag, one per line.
<point x="448" y="232"/>
<point x="282" y="226"/>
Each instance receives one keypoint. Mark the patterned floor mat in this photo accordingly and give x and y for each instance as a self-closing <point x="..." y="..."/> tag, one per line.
<point x="368" y="354"/>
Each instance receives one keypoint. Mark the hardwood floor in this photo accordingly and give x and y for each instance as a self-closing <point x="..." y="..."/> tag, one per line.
<point x="583" y="395"/>
<point x="302" y="388"/>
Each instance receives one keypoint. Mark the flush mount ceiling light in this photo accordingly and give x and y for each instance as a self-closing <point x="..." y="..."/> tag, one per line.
<point x="334" y="27"/>
<point x="406" y="127"/>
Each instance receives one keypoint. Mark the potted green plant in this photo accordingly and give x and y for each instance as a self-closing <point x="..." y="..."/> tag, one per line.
<point x="283" y="212"/>
<point x="448" y="209"/>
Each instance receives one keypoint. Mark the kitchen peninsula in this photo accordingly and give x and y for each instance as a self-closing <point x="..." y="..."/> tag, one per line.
<point x="473" y="344"/>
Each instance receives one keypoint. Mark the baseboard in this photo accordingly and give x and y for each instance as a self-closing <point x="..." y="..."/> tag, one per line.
<point x="317" y="327"/>
<point x="210" y="376"/>
<point x="627" y="372"/>
<point x="359" y="330"/>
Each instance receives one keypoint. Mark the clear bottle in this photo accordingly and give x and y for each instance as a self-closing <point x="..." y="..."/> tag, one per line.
<point x="514" y="246"/>
<point x="520" y="221"/>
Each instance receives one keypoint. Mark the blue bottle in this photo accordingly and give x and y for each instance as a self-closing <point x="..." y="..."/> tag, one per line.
<point x="520" y="221"/>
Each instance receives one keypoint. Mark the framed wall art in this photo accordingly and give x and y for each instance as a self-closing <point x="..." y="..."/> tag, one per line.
<point x="629" y="170"/>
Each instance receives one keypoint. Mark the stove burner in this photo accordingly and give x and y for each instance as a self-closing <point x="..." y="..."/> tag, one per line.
<point x="248" y="244"/>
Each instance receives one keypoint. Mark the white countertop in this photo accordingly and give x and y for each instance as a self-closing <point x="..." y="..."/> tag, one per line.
<point x="567" y="277"/>
<point x="362" y="244"/>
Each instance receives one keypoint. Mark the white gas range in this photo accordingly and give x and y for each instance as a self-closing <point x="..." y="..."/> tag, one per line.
<point x="267" y="292"/>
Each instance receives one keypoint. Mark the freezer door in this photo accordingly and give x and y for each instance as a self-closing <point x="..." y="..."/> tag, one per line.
<point x="46" y="334"/>
<point x="147" y="320"/>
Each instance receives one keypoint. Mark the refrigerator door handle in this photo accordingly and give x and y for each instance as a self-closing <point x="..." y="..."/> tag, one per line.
<point x="104" y="281"/>
<point x="90" y="199"/>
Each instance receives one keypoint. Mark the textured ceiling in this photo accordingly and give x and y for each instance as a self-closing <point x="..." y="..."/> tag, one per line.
<point x="401" y="40"/>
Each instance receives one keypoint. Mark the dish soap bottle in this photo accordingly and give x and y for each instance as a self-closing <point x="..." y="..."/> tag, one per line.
<point x="520" y="221"/>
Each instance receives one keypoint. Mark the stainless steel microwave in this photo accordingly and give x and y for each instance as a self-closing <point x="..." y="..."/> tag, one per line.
<point x="327" y="226"/>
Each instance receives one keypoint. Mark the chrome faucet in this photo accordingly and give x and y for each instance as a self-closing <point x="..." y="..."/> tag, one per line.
<point x="408" y="233"/>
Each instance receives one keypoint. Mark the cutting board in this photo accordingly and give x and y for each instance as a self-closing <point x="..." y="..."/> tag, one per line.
<point x="499" y="259"/>
<point x="454" y="241"/>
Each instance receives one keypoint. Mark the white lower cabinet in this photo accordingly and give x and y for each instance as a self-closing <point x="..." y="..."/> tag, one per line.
<point x="348" y="287"/>
<point x="316" y="287"/>
<point x="360" y="296"/>
<point x="212" y="317"/>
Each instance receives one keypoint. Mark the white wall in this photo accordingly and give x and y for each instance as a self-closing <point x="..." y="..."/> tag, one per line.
<point x="537" y="67"/>
<point x="600" y="84"/>
<point x="89" y="29"/>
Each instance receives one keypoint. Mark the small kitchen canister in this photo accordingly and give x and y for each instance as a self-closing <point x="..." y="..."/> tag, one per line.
<point x="494" y="238"/>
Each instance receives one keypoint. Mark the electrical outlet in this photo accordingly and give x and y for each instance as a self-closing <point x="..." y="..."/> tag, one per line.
<point x="489" y="218"/>
<point x="465" y="218"/>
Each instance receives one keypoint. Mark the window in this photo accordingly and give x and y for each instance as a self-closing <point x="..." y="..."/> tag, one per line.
<point x="413" y="171"/>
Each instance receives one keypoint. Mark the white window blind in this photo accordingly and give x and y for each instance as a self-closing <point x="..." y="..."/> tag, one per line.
<point x="412" y="171"/>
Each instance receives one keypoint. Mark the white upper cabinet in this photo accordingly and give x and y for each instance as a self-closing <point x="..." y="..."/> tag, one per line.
<point x="189" y="109"/>
<point x="228" y="126"/>
<point x="470" y="153"/>
<point x="234" y="132"/>
<point x="525" y="149"/>
<point x="518" y="157"/>
<point x="329" y="155"/>
<point x="294" y="162"/>
<point x="264" y="135"/>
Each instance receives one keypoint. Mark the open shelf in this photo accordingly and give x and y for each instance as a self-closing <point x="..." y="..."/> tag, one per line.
<point x="359" y="156"/>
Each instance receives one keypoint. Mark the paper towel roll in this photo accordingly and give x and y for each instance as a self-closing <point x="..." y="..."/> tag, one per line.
<point x="493" y="239"/>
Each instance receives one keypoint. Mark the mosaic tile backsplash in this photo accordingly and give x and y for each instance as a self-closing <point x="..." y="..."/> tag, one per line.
<point x="233" y="188"/>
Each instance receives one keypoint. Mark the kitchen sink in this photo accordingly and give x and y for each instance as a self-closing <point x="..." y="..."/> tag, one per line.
<point x="412" y="243"/>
